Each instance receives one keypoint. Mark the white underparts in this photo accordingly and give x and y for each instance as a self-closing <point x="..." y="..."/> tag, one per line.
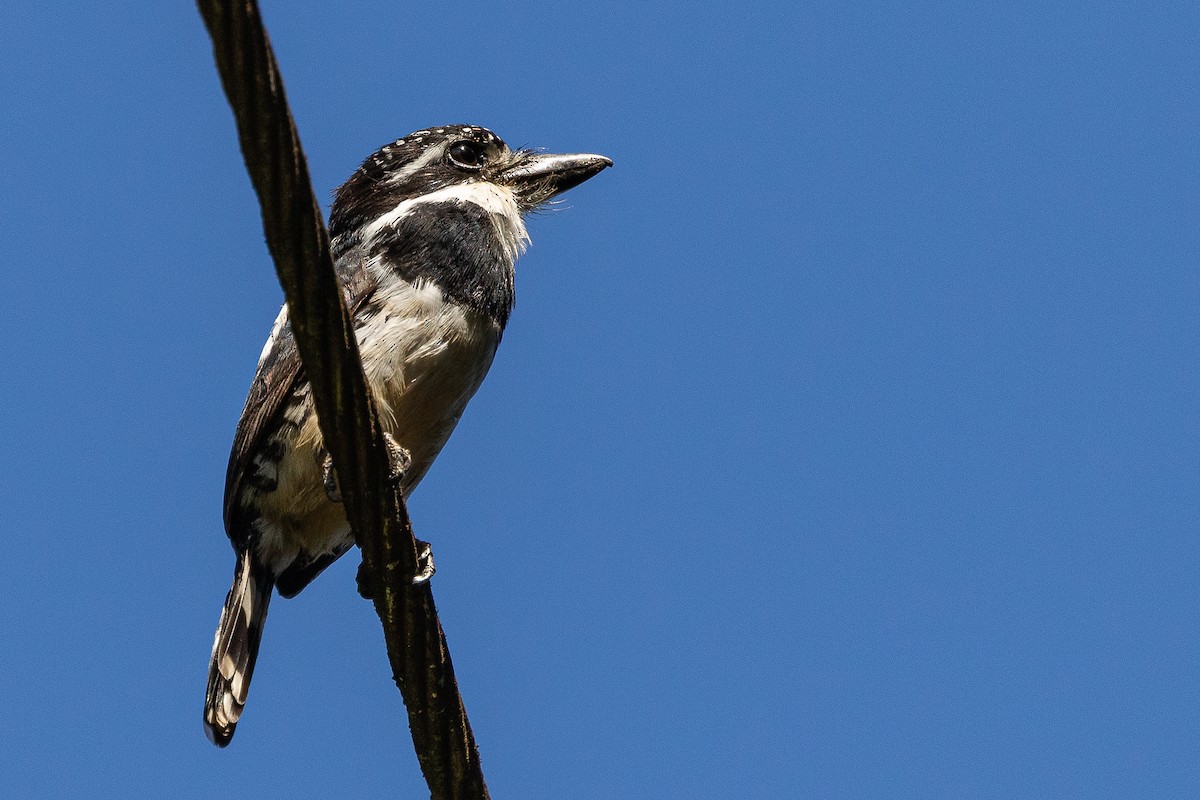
<point x="424" y="357"/>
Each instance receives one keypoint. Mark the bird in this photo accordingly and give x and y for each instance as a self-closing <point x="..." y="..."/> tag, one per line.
<point x="424" y="237"/>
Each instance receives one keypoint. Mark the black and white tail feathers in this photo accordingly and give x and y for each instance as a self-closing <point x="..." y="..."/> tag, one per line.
<point x="235" y="648"/>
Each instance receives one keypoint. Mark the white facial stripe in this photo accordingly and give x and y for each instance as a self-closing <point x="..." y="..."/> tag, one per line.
<point x="424" y="161"/>
<point x="494" y="199"/>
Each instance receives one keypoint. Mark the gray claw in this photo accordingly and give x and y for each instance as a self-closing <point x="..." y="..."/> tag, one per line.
<point x="329" y="478"/>
<point x="425" y="567"/>
<point x="399" y="459"/>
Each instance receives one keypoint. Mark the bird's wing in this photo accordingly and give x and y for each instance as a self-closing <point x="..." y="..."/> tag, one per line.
<point x="279" y="371"/>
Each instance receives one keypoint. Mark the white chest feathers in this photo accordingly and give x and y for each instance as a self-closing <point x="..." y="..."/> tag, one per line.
<point x="424" y="358"/>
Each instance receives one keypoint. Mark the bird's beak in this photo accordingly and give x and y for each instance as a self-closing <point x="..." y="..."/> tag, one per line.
<point x="539" y="177"/>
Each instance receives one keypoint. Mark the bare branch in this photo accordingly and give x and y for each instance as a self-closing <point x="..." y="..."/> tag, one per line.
<point x="299" y="245"/>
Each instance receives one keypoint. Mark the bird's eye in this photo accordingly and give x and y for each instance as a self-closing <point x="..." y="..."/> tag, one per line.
<point x="467" y="155"/>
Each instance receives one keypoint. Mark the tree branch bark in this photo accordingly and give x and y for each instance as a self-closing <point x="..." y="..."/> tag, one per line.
<point x="299" y="245"/>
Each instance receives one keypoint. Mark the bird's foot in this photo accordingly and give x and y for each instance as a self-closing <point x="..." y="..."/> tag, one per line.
<point x="425" y="567"/>
<point x="399" y="460"/>
<point x="329" y="479"/>
<point x="368" y="588"/>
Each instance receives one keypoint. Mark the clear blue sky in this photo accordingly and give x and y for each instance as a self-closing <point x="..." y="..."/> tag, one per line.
<point x="843" y="443"/>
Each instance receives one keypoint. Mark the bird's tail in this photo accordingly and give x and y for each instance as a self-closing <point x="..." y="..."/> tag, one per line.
<point x="235" y="648"/>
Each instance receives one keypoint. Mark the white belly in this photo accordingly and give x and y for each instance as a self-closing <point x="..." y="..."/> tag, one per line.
<point x="424" y="358"/>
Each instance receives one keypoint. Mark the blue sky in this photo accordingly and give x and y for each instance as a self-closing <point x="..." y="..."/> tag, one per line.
<point x="843" y="442"/>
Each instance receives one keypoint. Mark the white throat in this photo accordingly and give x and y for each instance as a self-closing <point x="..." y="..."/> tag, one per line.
<point x="498" y="201"/>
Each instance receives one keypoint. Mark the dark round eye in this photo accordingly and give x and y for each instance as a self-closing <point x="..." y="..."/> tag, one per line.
<point x="467" y="155"/>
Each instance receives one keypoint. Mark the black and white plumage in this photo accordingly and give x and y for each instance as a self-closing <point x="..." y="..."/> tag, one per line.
<point x="424" y="238"/>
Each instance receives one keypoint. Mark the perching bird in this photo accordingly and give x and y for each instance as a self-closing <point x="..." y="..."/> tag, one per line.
<point x="424" y="237"/>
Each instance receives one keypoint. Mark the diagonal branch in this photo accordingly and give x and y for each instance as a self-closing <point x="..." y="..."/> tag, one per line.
<point x="299" y="245"/>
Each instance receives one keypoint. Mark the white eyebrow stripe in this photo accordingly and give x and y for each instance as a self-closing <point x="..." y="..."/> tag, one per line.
<point x="425" y="160"/>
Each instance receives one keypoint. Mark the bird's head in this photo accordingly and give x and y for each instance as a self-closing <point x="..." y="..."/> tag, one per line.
<point x="456" y="163"/>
